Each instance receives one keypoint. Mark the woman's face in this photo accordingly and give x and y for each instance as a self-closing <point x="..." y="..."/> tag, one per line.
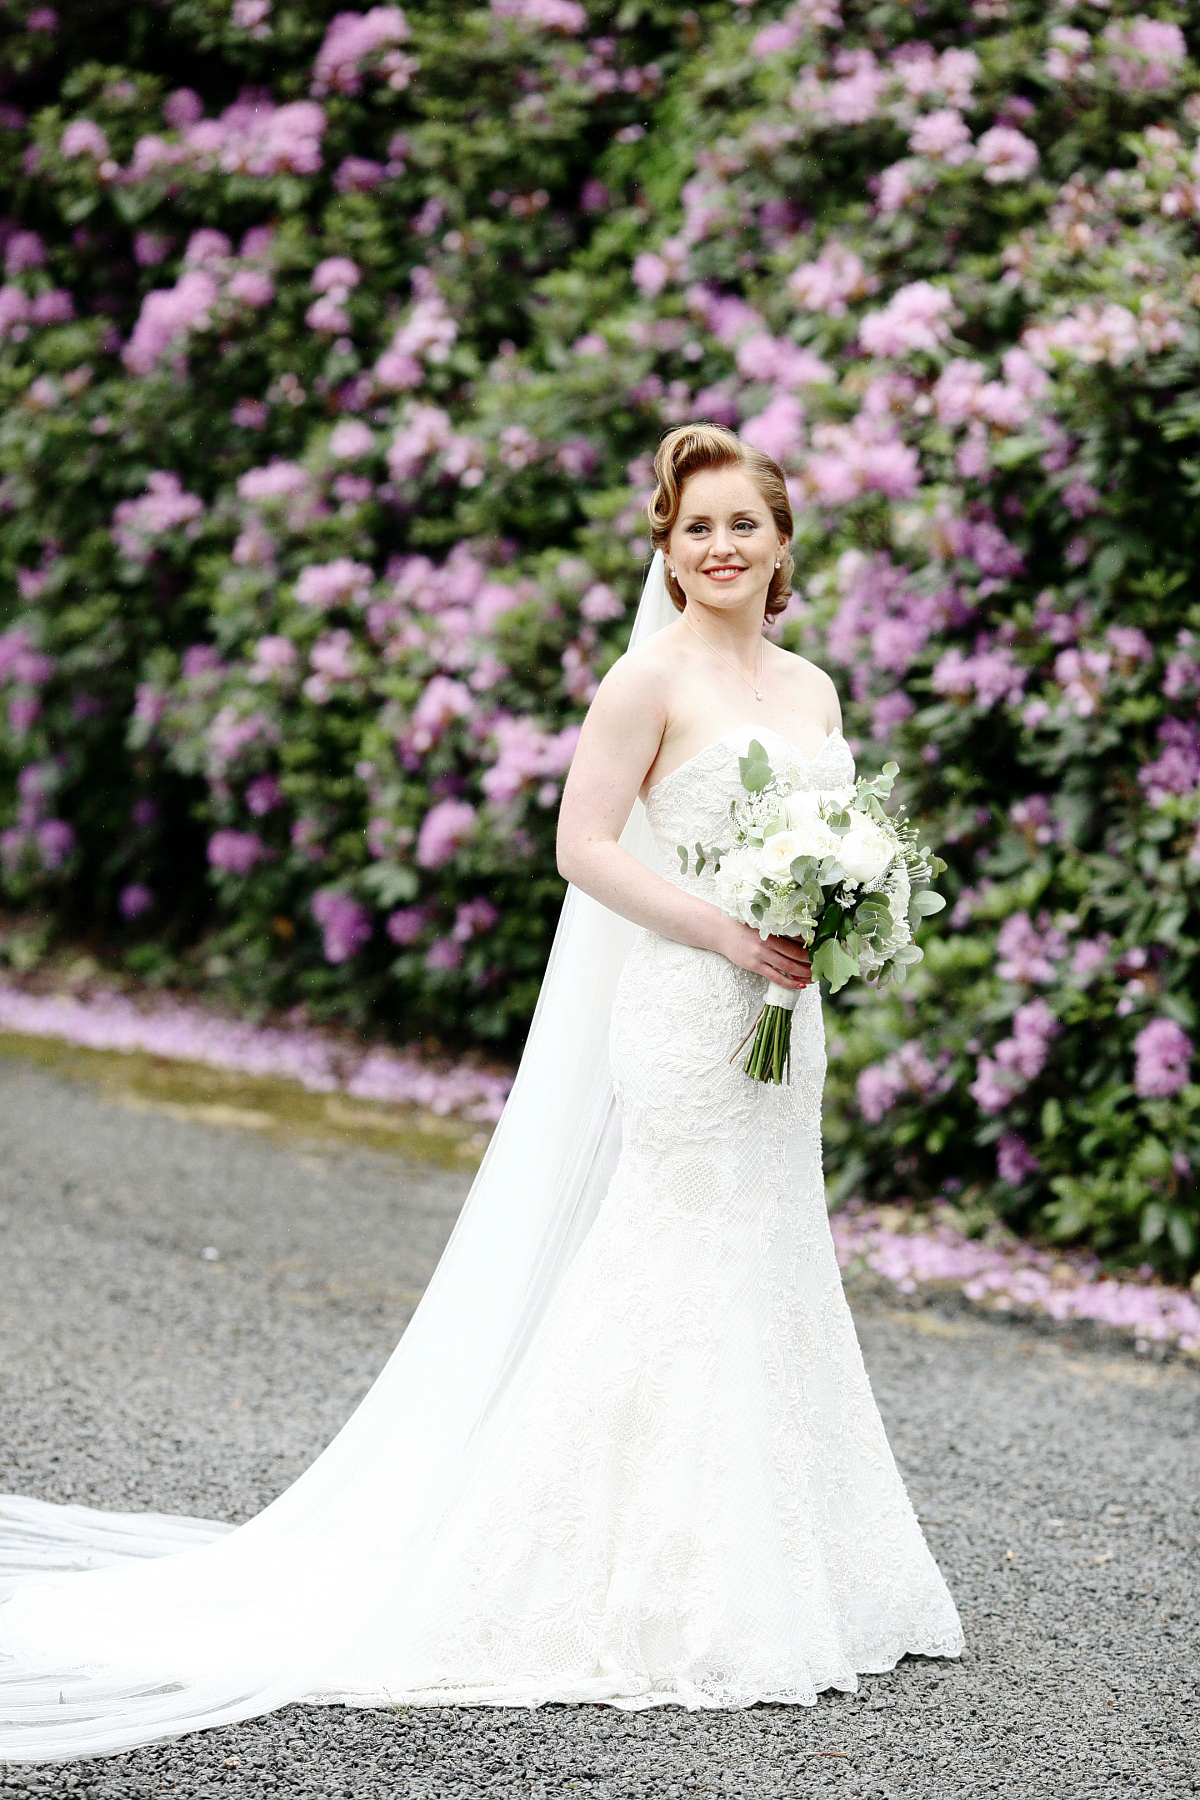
<point x="724" y="543"/>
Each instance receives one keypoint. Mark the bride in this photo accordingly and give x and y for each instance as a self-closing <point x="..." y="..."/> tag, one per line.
<point x="627" y="1451"/>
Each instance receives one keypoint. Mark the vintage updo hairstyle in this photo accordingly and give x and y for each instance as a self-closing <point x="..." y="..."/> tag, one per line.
<point x="686" y="451"/>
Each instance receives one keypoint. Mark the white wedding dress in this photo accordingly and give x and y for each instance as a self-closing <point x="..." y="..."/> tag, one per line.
<point x="668" y="1482"/>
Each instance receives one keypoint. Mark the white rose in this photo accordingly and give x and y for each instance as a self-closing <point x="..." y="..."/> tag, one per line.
<point x="802" y="808"/>
<point x="866" y="850"/>
<point x="811" y="837"/>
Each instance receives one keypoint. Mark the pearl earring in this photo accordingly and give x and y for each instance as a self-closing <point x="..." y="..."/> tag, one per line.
<point x="777" y="562"/>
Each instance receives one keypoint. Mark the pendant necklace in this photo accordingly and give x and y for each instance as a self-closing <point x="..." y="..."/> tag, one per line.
<point x="755" y="685"/>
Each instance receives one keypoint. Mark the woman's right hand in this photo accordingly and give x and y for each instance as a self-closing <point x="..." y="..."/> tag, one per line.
<point x="785" y="961"/>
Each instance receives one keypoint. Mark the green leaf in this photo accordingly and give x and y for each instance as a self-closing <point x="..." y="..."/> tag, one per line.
<point x="1179" y="1231"/>
<point x="927" y="903"/>
<point x="390" y="883"/>
<point x="681" y="853"/>
<point x="832" y="963"/>
<point x="755" y="768"/>
<point x="701" y="859"/>
<point x="1052" y="1119"/>
<point x="1154" y="1220"/>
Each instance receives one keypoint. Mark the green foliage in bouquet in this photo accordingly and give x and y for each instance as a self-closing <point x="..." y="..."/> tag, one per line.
<point x="332" y="351"/>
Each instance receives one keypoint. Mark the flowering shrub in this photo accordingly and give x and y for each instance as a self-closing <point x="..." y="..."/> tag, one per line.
<point x="329" y="393"/>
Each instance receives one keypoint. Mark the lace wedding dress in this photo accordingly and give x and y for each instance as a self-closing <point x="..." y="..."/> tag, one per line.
<point x="627" y="1450"/>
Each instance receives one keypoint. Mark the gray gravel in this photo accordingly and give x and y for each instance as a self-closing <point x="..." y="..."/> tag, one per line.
<point x="1059" y="1485"/>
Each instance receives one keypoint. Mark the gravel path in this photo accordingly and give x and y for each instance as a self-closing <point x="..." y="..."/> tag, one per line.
<point x="1059" y="1486"/>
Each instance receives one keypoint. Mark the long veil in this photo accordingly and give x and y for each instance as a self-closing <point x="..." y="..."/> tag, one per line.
<point x="117" y="1629"/>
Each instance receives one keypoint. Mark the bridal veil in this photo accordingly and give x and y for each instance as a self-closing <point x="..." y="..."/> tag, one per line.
<point x="119" y="1629"/>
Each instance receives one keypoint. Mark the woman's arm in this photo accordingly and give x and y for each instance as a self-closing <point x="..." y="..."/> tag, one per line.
<point x="619" y="742"/>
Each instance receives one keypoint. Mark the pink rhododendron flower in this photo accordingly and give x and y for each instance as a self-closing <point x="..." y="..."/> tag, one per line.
<point x="836" y="276"/>
<point x="445" y="953"/>
<point x="1083" y="676"/>
<point x="778" y="430"/>
<point x="1016" y="1060"/>
<point x="600" y="603"/>
<point x="1143" y="53"/>
<point x="901" y="182"/>
<point x="989" y="675"/>
<point x="230" y="733"/>
<point x="354" y="39"/>
<point x="275" y="481"/>
<point x="1163" y="1054"/>
<point x="1176" y="770"/>
<point x="473" y="917"/>
<point x="253" y="287"/>
<point x="1015" y="1161"/>
<point x="24" y="250"/>
<point x="1006" y="155"/>
<point x="336" y="275"/>
<point x="1183" y="669"/>
<point x="1089" y="955"/>
<point x="167" y="315"/>
<point x="762" y="357"/>
<point x="53" y="307"/>
<point x="183" y="108"/>
<point x="444" y="827"/>
<point x="1098" y="332"/>
<point x="406" y="925"/>
<point x="889" y="711"/>
<point x="252" y="16"/>
<point x="55" y="841"/>
<point x="263" y="795"/>
<point x="15" y="310"/>
<point x="564" y="16"/>
<point x="135" y="900"/>
<point x="138" y="525"/>
<point x="250" y="415"/>
<point x="84" y="138"/>
<point x="337" y="583"/>
<point x="1129" y="644"/>
<point x="1029" y="953"/>
<point x="251" y="137"/>
<point x="235" y="852"/>
<point x="1034" y="819"/>
<point x="1069" y="55"/>
<point x="345" y="925"/>
<point x="525" y="754"/>
<point x="426" y="430"/>
<point x="351" y="439"/>
<point x="333" y="655"/>
<point x="206" y="247"/>
<point x="442" y="701"/>
<point x="917" y="317"/>
<point x="942" y="135"/>
<point x="358" y="175"/>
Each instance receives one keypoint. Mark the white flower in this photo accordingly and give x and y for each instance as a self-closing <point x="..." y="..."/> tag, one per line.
<point x="809" y="837"/>
<point x="866" y="849"/>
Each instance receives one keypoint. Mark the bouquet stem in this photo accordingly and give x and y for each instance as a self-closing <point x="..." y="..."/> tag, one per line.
<point x="771" y="1052"/>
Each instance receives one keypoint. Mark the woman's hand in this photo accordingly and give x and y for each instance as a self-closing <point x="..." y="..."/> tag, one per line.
<point x="785" y="961"/>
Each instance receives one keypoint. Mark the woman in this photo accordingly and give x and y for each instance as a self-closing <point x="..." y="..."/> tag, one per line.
<point x="627" y="1451"/>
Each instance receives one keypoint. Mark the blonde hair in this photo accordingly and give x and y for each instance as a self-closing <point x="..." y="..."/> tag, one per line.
<point x="686" y="451"/>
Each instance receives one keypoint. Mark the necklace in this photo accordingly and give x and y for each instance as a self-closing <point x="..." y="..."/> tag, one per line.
<point x="756" y="685"/>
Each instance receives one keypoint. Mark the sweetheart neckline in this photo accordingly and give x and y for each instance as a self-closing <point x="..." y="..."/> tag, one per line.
<point x="754" y="730"/>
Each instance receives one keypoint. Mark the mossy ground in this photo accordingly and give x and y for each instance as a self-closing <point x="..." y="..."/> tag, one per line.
<point x="275" y="1108"/>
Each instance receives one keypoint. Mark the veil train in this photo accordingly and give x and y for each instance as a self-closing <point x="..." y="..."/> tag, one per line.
<point x="117" y="1629"/>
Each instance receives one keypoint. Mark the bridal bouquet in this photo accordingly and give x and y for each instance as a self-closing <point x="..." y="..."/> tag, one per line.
<point x="832" y="869"/>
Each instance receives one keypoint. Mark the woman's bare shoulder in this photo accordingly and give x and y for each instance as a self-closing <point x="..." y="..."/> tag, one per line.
<point x="640" y="678"/>
<point x="812" y="682"/>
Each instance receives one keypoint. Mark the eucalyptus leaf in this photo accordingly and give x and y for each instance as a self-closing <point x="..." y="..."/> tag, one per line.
<point x="831" y="962"/>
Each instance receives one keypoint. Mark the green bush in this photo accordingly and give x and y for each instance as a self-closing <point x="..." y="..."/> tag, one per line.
<point x="321" y="537"/>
